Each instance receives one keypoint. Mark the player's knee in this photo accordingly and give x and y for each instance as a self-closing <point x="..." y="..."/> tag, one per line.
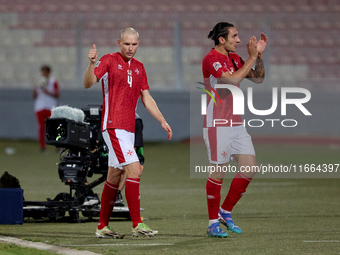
<point x="250" y="174"/>
<point x="134" y="170"/>
<point x="218" y="176"/>
<point x="113" y="175"/>
<point x="138" y="172"/>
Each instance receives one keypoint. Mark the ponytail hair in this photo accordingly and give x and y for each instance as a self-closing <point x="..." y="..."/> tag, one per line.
<point x="220" y="29"/>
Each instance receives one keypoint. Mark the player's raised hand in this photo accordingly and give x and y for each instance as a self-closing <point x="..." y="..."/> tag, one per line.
<point x="93" y="54"/>
<point x="168" y="130"/>
<point x="262" y="43"/>
<point x="252" y="47"/>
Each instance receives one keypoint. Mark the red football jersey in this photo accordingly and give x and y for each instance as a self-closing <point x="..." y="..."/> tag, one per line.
<point x="122" y="82"/>
<point x="213" y="65"/>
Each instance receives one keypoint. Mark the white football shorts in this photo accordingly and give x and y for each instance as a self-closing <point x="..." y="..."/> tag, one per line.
<point x="121" y="147"/>
<point x="224" y="142"/>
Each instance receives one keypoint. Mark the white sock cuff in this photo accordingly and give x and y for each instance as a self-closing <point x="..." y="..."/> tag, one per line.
<point x="224" y="211"/>
<point x="212" y="222"/>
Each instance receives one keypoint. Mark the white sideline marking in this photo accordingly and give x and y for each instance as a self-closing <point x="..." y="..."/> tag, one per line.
<point x="44" y="246"/>
<point x="116" y="244"/>
<point x="274" y="183"/>
<point x="322" y="241"/>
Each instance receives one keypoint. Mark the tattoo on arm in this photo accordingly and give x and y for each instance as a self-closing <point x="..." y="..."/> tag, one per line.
<point x="259" y="68"/>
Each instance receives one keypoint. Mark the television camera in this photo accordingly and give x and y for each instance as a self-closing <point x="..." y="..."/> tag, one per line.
<point x="83" y="154"/>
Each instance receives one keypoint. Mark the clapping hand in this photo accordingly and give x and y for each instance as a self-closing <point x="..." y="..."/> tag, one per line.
<point x="262" y="43"/>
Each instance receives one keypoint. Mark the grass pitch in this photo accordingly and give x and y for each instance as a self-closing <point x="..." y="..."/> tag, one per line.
<point x="277" y="216"/>
<point x="11" y="249"/>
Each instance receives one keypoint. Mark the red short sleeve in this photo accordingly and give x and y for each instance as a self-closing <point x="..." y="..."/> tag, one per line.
<point x="102" y="66"/>
<point x="213" y="67"/>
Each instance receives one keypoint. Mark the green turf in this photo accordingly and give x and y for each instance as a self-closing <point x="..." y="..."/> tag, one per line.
<point x="11" y="249"/>
<point x="277" y="216"/>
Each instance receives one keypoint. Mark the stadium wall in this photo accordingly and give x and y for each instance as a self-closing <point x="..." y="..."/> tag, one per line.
<point x="18" y="119"/>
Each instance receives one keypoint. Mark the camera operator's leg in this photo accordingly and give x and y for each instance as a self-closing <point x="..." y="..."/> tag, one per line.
<point x="119" y="199"/>
<point x="108" y="199"/>
<point x="41" y="116"/>
<point x="122" y="181"/>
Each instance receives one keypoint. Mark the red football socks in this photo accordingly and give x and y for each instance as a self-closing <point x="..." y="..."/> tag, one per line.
<point x="213" y="189"/>
<point x="237" y="188"/>
<point x="108" y="200"/>
<point x="133" y="199"/>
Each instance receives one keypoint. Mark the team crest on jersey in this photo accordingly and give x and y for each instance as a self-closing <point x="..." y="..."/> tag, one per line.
<point x="120" y="67"/>
<point x="231" y="69"/>
<point x="137" y="71"/>
<point x="129" y="72"/>
<point x="217" y="65"/>
<point x="97" y="64"/>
